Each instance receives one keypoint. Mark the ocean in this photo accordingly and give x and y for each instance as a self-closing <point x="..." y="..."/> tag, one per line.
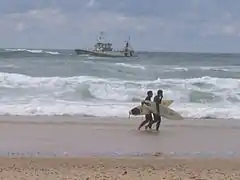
<point x="59" y="82"/>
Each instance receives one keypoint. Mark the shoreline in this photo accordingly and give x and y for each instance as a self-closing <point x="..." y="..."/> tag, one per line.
<point x="84" y="117"/>
<point x="100" y="119"/>
<point x="115" y="137"/>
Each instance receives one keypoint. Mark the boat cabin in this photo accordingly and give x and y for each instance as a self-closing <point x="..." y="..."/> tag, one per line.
<point x="103" y="46"/>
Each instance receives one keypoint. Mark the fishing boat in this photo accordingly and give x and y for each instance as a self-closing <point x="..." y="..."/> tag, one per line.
<point x="104" y="49"/>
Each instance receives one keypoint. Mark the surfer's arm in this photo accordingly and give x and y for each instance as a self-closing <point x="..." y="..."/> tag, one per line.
<point x="158" y="102"/>
<point x="144" y="102"/>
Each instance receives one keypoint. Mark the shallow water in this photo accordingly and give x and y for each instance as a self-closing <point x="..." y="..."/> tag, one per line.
<point x="74" y="136"/>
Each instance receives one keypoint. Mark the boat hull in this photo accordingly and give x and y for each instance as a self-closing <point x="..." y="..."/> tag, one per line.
<point x="104" y="54"/>
<point x="82" y="51"/>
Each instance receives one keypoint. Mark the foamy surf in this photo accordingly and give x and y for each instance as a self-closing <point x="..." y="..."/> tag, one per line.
<point x="134" y="66"/>
<point x="205" y="97"/>
<point x="36" y="51"/>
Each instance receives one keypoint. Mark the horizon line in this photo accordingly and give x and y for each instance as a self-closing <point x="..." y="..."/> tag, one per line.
<point x="138" y="51"/>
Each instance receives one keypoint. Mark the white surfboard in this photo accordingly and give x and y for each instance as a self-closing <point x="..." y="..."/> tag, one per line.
<point x="164" y="111"/>
<point x="140" y="110"/>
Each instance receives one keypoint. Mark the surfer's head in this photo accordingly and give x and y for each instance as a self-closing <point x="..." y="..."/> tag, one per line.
<point x="160" y="92"/>
<point x="150" y="93"/>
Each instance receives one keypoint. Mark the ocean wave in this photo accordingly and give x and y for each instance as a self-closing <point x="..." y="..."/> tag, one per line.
<point x="89" y="95"/>
<point x="134" y="66"/>
<point x="13" y="66"/>
<point x="208" y="111"/>
<point x="112" y="88"/>
<point x="180" y="69"/>
<point x="232" y="69"/>
<point x="34" y="51"/>
<point x="214" y="68"/>
<point x="53" y="107"/>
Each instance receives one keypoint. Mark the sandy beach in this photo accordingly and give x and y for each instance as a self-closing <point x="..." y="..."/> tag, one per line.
<point x="71" y="147"/>
<point x="118" y="168"/>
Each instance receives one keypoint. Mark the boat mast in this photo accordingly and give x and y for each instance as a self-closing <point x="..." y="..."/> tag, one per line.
<point x="100" y="37"/>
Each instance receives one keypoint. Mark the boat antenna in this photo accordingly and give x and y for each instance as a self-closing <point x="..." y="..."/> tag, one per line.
<point x="100" y="38"/>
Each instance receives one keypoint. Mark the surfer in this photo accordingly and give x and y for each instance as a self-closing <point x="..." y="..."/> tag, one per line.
<point x="148" y="117"/>
<point x="157" y="117"/>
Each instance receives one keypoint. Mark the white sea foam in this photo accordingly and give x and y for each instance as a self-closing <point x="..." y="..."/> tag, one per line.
<point x="134" y="66"/>
<point x="220" y="68"/>
<point x="37" y="51"/>
<point x="202" y="68"/>
<point x="88" y="95"/>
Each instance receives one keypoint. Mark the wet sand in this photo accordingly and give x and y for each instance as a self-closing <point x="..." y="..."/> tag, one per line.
<point x="79" y="136"/>
<point x="113" y="148"/>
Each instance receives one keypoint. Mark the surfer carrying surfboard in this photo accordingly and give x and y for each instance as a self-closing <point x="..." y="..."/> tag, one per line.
<point x="157" y="117"/>
<point x="148" y="117"/>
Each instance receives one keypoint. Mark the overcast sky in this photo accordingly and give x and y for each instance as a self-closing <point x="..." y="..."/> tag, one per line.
<point x="155" y="25"/>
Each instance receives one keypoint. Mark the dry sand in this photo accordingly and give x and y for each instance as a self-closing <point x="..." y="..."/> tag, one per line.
<point x="124" y="168"/>
<point x="173" y="153"/>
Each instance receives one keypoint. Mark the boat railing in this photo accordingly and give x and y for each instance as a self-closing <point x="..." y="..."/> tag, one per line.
<point x="113" y="50"/>
<point x="88" y="49"/>
<point x="121" y="50"/>
<point x="117" y="50"/>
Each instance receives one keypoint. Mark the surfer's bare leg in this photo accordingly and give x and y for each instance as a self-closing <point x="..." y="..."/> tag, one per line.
<point x="148" y="119"/>
<point x="158" y="123"/>
<point x="152" y="122"/>
<point x="142" y="124"/>
<point x="149" y="124"/>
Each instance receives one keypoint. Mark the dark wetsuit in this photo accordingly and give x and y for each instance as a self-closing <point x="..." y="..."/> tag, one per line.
<point x="157" y="118"/>
<point x="148" y="117"/>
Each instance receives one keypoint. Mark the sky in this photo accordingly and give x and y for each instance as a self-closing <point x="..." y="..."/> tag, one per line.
<point x="153" y="25"/>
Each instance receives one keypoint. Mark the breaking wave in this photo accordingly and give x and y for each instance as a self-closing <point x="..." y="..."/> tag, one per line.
<point x="33" y="51"/>
<point x="88" y="95"/>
